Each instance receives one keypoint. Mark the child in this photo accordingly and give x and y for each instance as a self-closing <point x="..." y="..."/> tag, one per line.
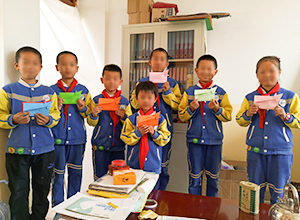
<point x="205" y="134"/>
<point x="70" y="133"/>
<point x="30" y="143"/>
<point x="167" y="101"/>
<point x="107" y="145"/>
<point x="145" y="143"/>
<point x="269" y="137"/>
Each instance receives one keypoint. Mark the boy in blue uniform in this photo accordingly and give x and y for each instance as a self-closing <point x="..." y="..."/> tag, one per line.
<point x="69" y="133"/>
<point x="146" y="142"/>
<point x="106" y="142"/>
<point x="168" y="100"/>
<point x="204" y="135"/>
<point x="30" y="143"/>
<point x="269" y="137"/>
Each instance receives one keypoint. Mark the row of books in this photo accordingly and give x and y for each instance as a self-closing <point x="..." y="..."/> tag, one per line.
<point x="180" y="45"/>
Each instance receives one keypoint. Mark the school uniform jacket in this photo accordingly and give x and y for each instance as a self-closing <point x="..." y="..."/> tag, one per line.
<point x="210" y="133"/>
<point x="276" y="136"/>
<point x="131" y="136"/>
<point x="30" y="138"/>
<point x="105" y="137"/>
<point x="74" y="132"/>
<point x="169" y="100"/>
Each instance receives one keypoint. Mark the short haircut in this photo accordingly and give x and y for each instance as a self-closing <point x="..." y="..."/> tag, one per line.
<point x="146" y="86"/>
<point x="273" y="59"/>
<point x="159" y="49"/>
<point x="66" y="52"/>
<point x="27" y="49"/>
<point x="112" y="68"/>
<point x="207" y="57"/>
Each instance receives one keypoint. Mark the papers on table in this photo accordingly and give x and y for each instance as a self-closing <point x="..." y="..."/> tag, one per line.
<point x="37" y="107"/>
<point x="108" y="104"/>
<point x="158" y="77"/>
<point x="267" y="102"/>
<point x="176" y="218"/>
<point x="148" y="120"/>
<point x="70" y="97"/>
<point x="204" y="95"/>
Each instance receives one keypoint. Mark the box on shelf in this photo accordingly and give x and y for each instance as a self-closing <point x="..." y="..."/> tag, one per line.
<point x="139" y="17"/>
<point x="159" y="14"/>
<point x="134" y="6"/>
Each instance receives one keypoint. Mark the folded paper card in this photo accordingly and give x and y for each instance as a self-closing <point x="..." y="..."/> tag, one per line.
<point x="204" y="95"/>
<point x="108" y="104"/>
<point x="267" y="102"/>
<point x="37" y="107"/>
<point x="70" y="97"/>
<point x="148" y="120"/>
<point x="158" y="77"/>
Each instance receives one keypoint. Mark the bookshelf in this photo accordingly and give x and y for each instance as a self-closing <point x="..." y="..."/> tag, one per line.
<point x="185" y="42"/>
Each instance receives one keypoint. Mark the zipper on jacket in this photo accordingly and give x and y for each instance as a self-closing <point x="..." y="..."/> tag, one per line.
<point x="97" y="132"/>
<point x="285" y="135"/>
<point x="158" y="153"/>
<point x="10" y="133"/>
<point x="50" y="132"/>
<point x="252" y="129"/>
<point x="168" y="119"/>
<point x="218" y="126"/>
<point x="130" y="154"/>
<point x="190" y="125"/>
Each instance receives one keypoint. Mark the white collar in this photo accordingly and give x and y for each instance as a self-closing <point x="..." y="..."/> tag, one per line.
<point x="22" y="82"/>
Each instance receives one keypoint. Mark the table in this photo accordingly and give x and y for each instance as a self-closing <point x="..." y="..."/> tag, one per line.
<point x="194" y="206"/>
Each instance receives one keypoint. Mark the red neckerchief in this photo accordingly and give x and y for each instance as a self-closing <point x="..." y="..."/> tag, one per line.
<point x="144" y="144"/>
<point x="61" y="85"/>
<point x="158" y="101"/>
<point x="262" y="112"/>
<point x="112" y="114"/>
<point x="202" y="104"/>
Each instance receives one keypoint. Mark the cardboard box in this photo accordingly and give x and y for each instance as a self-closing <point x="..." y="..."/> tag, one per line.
<point x="134" y="6"/>
<point x="158" y="14"/>
<point x="145" y="17"/>
<point x="139" y="17"/>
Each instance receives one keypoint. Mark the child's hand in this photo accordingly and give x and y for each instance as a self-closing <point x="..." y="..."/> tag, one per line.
<point x="121" y="112"/>
<point x="252" y="110"/>
<point x="166" y="86"/>
<point x="151" y="130"/>
<point x="194" y="105"/>
<point x="42" y="119"/>
<point x="280" y="112"/>
<point x="21" y="118"/>
<point x="144" y="129"/>
<point x="96" y="110"/>
<point x="60" y="103"/>
<point x="214" y="105"/>
<point x="80" y="104"/>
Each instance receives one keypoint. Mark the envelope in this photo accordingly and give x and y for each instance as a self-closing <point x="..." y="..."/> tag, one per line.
<point x="205" y="95"/>
<point x="158" y="77"/>
<point x="70" y="97"/>
<point x="267" y="102"/>
<point x="108" y="104"/>
<point x="148" y="120"/>
<point x="37" y="107"/>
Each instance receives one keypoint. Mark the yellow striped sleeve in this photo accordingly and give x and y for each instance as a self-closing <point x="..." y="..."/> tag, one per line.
<point x="5" y="115"/>
<point x="130" y="134"/>
<point x="87" y="109"/>
<point x="133" y="101"/>
<point x="294" y="110"/>
<point x="54" y="112"/>
<point x="184" y="111"/>
<point x="162" y="136"/>
<point x="128" y="112"/>
<point x="90" y="120"/>
<point x="225" y="110"/>
<point x="172" y="98"/>
<point x="241" y="117"/>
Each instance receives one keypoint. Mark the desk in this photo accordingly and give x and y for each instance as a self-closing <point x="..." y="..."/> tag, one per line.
<point x="194" y="206"/>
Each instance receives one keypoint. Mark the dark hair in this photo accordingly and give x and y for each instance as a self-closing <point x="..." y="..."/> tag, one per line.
<point x="207" y="57"/>
<point x="66" y="52"/>
<point x="27" y="49"/>
<point x="146" y="86"/>
<point x="159" y="49"/>
<point x="112" y="68"/>
<point x="273" y="59"/>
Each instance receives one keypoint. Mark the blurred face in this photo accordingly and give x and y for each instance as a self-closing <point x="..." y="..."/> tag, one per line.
<point x="206" y="71"/>
<point x="111" y="80"/>
<point x="146" y="100"/>
<point x="159" y="61"/>
<point x="67" y="66"/>
<point x="29" y="65"/>
<point x="268" y="74"/>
